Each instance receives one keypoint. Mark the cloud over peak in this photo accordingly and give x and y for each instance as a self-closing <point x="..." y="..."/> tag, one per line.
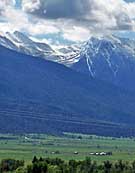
<point x="73" y="19"/>
<point x="97" y="14"/>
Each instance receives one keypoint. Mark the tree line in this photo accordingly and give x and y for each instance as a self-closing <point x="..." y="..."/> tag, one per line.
<point x="56" y="165"/>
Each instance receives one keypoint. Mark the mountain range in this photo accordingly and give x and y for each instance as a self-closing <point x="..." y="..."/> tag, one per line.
<point x="21" y="43"/>
<point x="111" y="58"/>
<point x="72" y="89"/>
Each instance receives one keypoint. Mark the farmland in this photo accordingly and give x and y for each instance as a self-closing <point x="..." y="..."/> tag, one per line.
<point x="26" y="146"/>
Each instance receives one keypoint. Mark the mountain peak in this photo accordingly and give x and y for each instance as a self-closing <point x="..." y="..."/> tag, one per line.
<point x="66" y="55"/>
<point x="109" y="58"/>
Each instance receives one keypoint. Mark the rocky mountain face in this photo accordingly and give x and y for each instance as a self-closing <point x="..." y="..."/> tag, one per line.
<point x="110" y="59"/>
<point x="19" y="42"/>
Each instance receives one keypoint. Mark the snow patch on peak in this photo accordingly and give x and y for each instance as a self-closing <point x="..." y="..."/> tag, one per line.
<point x="106" y="56"/>
<point x="18" y="41"/>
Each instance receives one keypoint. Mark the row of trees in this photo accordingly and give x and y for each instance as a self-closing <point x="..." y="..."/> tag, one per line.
<point x="9" y="165"/>
<point x="47" y="165"/>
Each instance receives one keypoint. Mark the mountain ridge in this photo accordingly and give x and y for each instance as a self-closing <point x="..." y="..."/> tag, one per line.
<point x="109" y="58"/>
<point x="60" y="99"/>
<point x="21" y="43"/>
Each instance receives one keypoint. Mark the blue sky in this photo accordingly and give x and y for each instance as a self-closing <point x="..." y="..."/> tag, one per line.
<point x="130" y="0"/>
<point x="68" y="21"/>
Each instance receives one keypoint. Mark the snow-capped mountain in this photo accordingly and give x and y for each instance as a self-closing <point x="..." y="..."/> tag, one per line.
<point x="21" y="43"/>
<point x="108" y="58"/>
<point x="111" y="59"/>
<point x="66" y="99"/>
<point x="47" y="97"/>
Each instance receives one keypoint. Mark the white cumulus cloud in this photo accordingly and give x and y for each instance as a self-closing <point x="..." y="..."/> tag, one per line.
<point x="76" y="20"/>
<point x="31" y="5"/>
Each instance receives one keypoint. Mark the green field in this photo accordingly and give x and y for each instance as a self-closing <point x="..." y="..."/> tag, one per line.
<point x="26" y="146"/>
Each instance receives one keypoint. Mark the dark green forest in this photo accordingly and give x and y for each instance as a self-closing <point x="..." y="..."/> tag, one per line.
<point x="56" y="165"/>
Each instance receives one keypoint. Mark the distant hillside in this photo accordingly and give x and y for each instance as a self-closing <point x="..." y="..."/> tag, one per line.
<point x="41" y="96"/>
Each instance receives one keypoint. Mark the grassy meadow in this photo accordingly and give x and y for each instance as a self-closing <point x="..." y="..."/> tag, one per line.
<point x="64" y="147"/>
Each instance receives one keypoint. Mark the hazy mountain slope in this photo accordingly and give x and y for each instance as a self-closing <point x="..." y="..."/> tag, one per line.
<point x="32" y="88"/>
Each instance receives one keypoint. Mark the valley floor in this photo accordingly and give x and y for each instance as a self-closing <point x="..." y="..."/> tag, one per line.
<point x="67" y="147"/>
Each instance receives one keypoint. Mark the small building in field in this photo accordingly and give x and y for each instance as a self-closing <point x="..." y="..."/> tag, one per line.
<point x="76" y="152"/>
<point x="101" y="154"/>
